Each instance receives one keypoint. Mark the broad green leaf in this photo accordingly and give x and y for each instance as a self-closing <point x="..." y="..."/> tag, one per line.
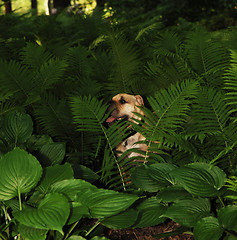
<point x="55" y="174"/>
<point x="30" y="233"/>
<point x="160" y="173"/>
<point x="199" y="179"/>
<point x="104" y="203"/>
<point x="85" y="173"/>
<point x="71" y="188"/>
<point x="99" y="238"/>
<point x="122" y="220"/>
<point x="35" y="142"/>
<point x="217" y="173"/>
<point x="52" y="153"/>
<point x="227" y="216"/>
<point x="19" y="173"/>
<point x="17" y="127"/>
<point x="51" y="214"/>
<point x="150" y="211"/>
<point x="189" y="212"/>
<point x="208" y="228"/>
<point x="229" y="237"/>
<point x="74" y="237"/>
<point x="77" y="212"/>
<point x="173" y="193"/>
<point x="142" y="179"/>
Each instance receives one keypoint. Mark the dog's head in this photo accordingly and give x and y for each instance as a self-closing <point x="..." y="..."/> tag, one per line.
<point x="123" y="106"/>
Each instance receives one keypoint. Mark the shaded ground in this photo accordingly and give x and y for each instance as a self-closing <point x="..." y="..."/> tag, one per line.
<point x="148" y="233"/>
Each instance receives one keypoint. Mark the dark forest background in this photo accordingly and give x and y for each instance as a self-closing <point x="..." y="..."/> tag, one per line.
<point x="209" y="13"/>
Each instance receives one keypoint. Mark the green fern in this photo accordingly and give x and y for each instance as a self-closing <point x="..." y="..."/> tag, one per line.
<point x="54" y="117"/>
<point x="89" y="115"/>
<point x="34" y="56"/>
<point x="165" y="72"/>
<point x="168" y="44"/>
<point x="209" y="114"/>
<point x="126" y="63"/>
<point x="146" y="30"/>
<point x="16" y="80"/>
<point x="79" y="63"/>
<point x="231" y="85"/>
<point x="170" y="110"/>
<point x="207" y="58"/>
<point x="49" y="74"/>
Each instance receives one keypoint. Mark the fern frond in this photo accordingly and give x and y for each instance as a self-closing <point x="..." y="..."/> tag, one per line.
<point x="209" y="115"/>
<point x="168" y="44"/>
<point x="89" y="115"/>
<point x="231" y="85"/>
<point x="16" y="79"/>
<point x="49" y="74"/>
<point x="79" y="63"/>
<point x="146" y="30"/>
<point x="7" y="106"/>
<point x="34" y="56"/>
<point x="208" y="58"/>
<point x="54" y="117"/>
<point x="169" y="108"/>
<point x="232" y="183"/>
<point x="168" y="71"/>
<point x="126" y="63"/>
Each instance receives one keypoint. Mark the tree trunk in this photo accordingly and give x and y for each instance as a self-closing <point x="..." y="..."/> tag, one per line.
<point x="34" y="7"/>
<point x="7" y="6"/>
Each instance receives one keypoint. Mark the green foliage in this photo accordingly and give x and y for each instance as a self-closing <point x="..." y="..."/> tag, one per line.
<point x="56" y="150"/>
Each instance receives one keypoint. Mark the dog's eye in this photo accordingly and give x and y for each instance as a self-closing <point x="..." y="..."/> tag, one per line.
<point x="125" y="143"/>
<point x="122" y="101"/>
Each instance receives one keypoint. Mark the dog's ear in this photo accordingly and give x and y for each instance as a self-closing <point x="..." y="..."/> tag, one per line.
<point x="139" y="100"/>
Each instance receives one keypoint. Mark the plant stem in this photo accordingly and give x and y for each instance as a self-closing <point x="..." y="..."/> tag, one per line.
<point x="222" y="203"/>
<point x="20" y="207"/>
<point x="92" y="228"/>
<point x="19" y="196"/>
<point x="71" y="229"/>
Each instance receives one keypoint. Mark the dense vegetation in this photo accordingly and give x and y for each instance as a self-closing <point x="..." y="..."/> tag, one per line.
<point x="58" y="163"/>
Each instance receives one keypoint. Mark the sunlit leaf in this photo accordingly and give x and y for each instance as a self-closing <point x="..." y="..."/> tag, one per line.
<point x="17" y="127"/>
<point x="71" y="187"/>
<point x="104" y="203"/>
<point x="122" y="220"/>
<point x="51" y="214"/>
<point x="150" y="211"/>
<point x="141" y="178"/>
<point x="227" y="216"/>
<point x="52" y="153"/>
<point x="189" y="212"/>
<point x="208" y="228"/>
<point x="30" y="233"/>
<point x="55" y="174"/>
<point x="200" y="179"/>
<point x="19" y="173"/>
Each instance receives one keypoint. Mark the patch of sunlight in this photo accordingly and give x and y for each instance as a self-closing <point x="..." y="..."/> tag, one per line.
<point x="86" y="6"/>
<point x="24" y="6"/>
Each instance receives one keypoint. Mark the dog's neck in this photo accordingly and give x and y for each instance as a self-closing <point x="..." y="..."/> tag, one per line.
<point x="130" y="132"/>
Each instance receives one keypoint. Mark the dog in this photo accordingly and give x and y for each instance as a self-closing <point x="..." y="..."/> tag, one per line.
<point x="123" y="106"/>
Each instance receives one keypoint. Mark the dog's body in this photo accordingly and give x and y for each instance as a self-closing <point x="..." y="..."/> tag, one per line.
<point x="124" y="106"/>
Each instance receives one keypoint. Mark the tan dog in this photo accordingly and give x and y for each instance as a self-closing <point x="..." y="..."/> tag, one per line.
<point x="124" y="106"/>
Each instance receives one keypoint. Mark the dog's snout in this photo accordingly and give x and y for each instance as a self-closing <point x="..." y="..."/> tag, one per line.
<point x="111" y="106"/>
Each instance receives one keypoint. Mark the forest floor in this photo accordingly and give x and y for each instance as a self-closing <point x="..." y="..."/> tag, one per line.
<point x="148" y="233"/>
